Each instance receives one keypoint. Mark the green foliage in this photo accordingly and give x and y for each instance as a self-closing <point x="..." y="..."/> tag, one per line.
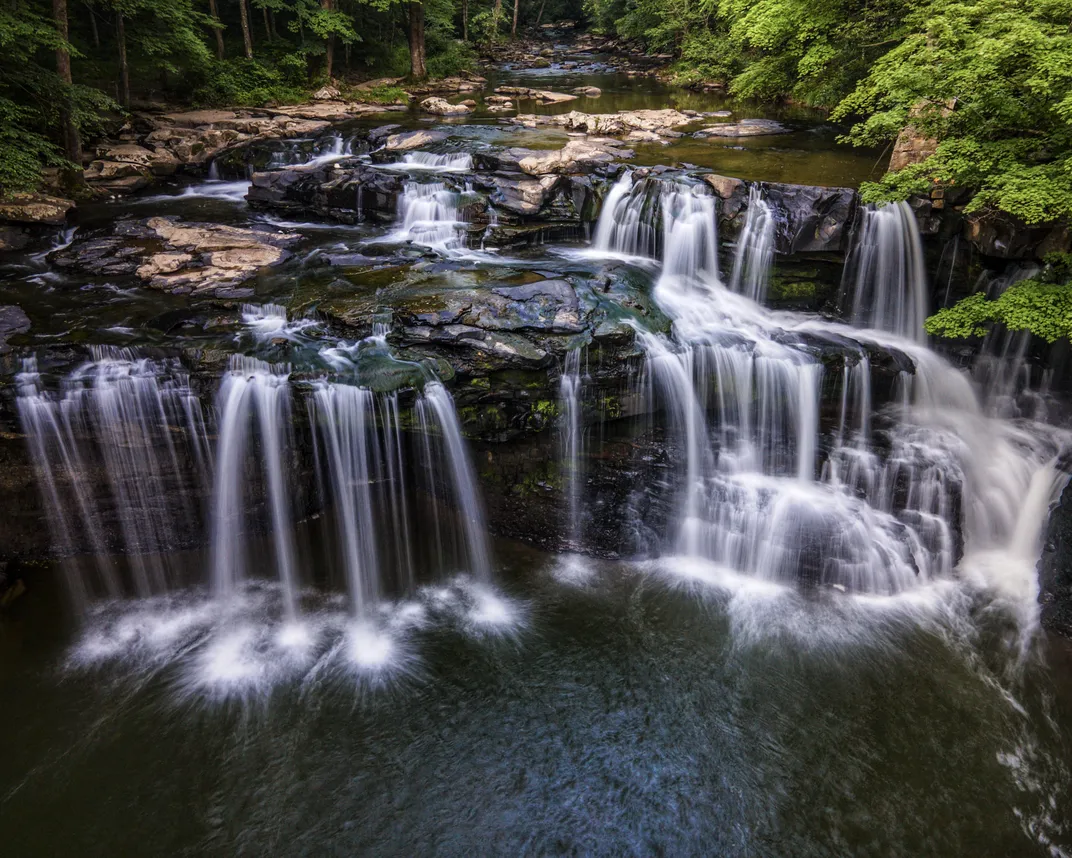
<point x="990" y="80"/>
<point x="383" y="95"/>
<point x="1042" y="305"/>
<point x="247" y="82"/>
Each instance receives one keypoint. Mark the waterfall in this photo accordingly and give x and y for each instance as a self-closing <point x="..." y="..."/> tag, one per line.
<point x="435" y="411"/>
<point x="754" y="256"/>
<point x="885" y="274"/>
<point x="252" y="395"/>
<point x="571" y="443"/>
<point x="428" y="215"/>
<point x="123" y="447"/>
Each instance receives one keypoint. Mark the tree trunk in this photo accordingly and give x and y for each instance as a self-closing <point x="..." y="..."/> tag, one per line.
<point x="496" y="19"/>
<point x="329" y="47"/>
<point x="465" y="20"/>
<point x="247" y="36"/>
<point x="93" y="26"/>
<point x="513" y="29"/>
<point x="124" y="70"/>
<point x="539" y="17"/>
<point x="267" y="24"/>
<point x="217" y="30"/>
<point x="72" y="144"/>
<point x="417" y="68"/>
<point x="271" y="17"/>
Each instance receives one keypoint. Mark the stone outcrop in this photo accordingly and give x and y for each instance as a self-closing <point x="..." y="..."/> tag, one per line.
<point x="911" y="147"/>
<point x="178" y="257"/>
<point x="189" y="140"/>
<point x="350" y="194"/>
<point x="466" y="83"/>
<point x="13" y="321"/>
<point x="27" y="218"/>
<point x="577" y="156"/>
<point x="441" y="107"/>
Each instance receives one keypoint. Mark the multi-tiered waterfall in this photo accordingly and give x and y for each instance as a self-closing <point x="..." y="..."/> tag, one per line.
<point x="770" y="489"/>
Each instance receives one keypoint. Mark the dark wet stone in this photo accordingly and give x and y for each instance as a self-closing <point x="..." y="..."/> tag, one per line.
<point x="1055" y="568"/>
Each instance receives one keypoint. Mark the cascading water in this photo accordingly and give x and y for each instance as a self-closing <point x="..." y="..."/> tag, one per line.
<point x="435" y="410"/>
<point x="453" y="162"/>
<point x="765" y="489"/>
<point x="571" y="442"/>
<point x="252" y="394"/>
<point x="123" y="447"/>
<point x="428" y="215"/>
<point x="627" y="222"/>
<point x="754" y="256"/>
<point x="885" y="277"/>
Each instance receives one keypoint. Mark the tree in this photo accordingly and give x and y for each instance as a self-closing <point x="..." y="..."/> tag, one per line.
<point x="217" y="28"/>
<point x="513" y="29"/>
<point x="247" y="36"/>
<point x="124" y="68"/>
<point x="72" y="142"/>
<point x="418" y="70"/>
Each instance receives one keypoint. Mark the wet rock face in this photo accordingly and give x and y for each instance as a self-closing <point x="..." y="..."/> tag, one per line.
<point x="348" y="192"/>
<point x="1055" y="569"/>
<point x="177" y="257"/>
<point x="809" y="219"/>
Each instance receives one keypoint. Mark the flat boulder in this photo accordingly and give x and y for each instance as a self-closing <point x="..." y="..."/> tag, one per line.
<point x="413" y="140"/>
<point x="544" y="96"/>
<point x="744" y="128"/>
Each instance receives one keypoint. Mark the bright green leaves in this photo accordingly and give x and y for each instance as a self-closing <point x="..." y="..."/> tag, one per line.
<point x="1042" y="305"/>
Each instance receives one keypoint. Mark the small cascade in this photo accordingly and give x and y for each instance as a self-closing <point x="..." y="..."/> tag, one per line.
<point x="754" y="256"/>
<point x="885" y="280"/>
<point x="454" y="162"/>
<point x="671" y="221"/>
<point x="571" y="443"/>
<point x="316" y="153"/>
<point x="120" y="455"/>
<point x="627" y="222"/>
<point x="690" y="240"/>
<point x="428" y="215"/>
<point x="269" y="322"/>
<point x="254" y="403"/>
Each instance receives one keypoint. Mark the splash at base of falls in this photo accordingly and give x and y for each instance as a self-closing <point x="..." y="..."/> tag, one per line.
<point x="244" y="647"/>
